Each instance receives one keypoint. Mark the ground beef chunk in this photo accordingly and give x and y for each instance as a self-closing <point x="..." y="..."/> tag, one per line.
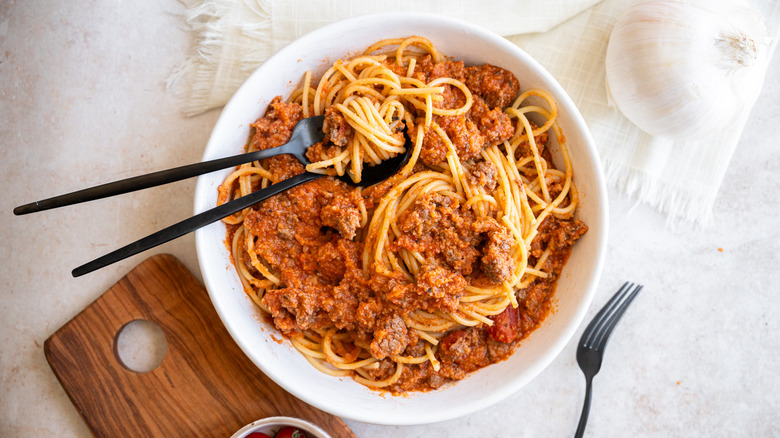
<point x="336" y="128"/>
<point x="557" y="234"/>
<point x="435" y="288"/>
<point x="293" y="307"/>
<point x="418" y="378"/>
<point x="322" y="151"/>
<point x="479" y="128"/>
<point x="441" y="286"/>
<point x="497" y="86"/>
<point x="449" y="236"/>
<point x="498" y="351"/>
<point x="569" y="233"/>
<point x="385" y="368"/>
<point x="467" y="136"/>
<point x="367" y="314"/>
<point x="274" y="129"/>
<point x="464" y="135"/>
<point x="483" y="174"/>
<point x="493" y="124"/>
<point x="426" y="70"/>
<point x="283" y="167"/>
<point x="497" y="261"/>
<point x="423" y="69"/>
<point x="327" y="262"/>
<point x="437" y="228"/>
<point x="312" y="305"/>
<point x="391" y="338"/>
<point x="448" y="69"/>
<point x="343" y="214"/>
<point x="524" y="148"/>
<point x="382" y="281"/>
<point x="422" y="376"/>
<point x="434" y="150"/>
<point x="463" y="351"/>
<point x="535" y="298"/>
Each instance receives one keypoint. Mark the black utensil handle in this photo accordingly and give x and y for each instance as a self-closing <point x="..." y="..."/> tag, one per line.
<point x="585" y="409"/>
<point x="193" y="223"/>
<point x="306" y="132"/>
<point x="144" y="181"/>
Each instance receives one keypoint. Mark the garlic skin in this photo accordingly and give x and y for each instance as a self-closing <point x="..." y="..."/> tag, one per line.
<point x="685" y="69"/>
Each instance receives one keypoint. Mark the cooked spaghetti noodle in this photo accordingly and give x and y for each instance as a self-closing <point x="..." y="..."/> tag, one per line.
<point x="436" y="272"/>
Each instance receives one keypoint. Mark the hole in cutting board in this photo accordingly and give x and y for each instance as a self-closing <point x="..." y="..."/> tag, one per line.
<point x="140" y="345"/>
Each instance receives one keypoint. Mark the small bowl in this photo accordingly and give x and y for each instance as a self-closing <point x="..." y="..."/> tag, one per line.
<point x="343" y="396"/>
<point x="272" y="425"/>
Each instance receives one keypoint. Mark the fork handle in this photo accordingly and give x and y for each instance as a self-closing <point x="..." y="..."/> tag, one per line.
<point x="188" y="225"/>
<point x="585" y="408"/>
<point x="306" y="133"/>
<point x="146" y="181"/>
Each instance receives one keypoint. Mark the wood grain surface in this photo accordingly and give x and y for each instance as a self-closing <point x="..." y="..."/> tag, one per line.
<point x="205" y="386"/>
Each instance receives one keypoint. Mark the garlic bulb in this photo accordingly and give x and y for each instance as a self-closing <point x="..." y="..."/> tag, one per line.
<point x="684" y="69"/>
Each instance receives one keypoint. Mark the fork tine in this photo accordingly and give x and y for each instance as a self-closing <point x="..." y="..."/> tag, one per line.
<point x="614" y="318"/>
<point x="591" y="330"/>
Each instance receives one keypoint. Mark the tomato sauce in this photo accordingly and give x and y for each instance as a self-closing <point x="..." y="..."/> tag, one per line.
<point x="310" y="237"/>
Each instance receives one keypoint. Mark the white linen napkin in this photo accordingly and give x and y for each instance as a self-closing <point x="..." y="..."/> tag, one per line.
<point x="568" y="37"/>
<point x="679" y="178"/>
<point x="235" y="36"/>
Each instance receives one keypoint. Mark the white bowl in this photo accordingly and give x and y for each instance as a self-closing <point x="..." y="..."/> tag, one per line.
<point x="342" y="396"/>
<point x="271" y="425"/>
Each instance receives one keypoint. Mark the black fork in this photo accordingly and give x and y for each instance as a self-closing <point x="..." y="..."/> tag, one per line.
<point x="594" y="339"/>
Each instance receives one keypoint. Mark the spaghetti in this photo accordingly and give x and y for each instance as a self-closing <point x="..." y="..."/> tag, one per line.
<point x="436" y="272"/>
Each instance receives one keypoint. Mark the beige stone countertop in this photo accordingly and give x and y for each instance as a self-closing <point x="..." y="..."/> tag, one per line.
<point x="83" y="101"/>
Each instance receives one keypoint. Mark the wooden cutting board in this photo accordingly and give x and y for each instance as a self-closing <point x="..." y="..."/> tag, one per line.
<point x="205" y="386"/>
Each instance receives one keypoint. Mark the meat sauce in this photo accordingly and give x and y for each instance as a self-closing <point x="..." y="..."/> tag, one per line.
<point x="311" y="240"/>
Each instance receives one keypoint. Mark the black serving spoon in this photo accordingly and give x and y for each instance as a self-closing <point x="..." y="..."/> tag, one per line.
<point x="307" y="132"/>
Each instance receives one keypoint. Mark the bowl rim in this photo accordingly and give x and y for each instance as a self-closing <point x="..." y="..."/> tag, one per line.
<point x="564" y="101"/>
<point x="282" y="421"/>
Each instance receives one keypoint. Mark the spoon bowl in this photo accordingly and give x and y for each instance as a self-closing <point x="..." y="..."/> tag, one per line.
<point x="309" y="131"/>
<point x="384" y="170"/>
